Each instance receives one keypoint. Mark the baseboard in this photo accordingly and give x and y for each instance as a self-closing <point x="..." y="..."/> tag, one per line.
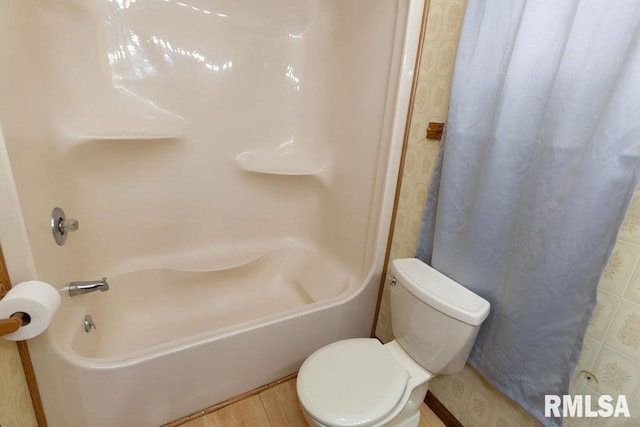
<point x="441" y="411"/>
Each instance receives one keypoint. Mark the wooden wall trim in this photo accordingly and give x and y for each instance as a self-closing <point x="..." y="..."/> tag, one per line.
<point x="403" y="155"/>
<point x="447" y="418"/>
<point x="29" y="373"/>
<point x="5" y="282"/>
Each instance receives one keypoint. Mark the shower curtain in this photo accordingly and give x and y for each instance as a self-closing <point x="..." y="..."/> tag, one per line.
<point x="538" y="166"/>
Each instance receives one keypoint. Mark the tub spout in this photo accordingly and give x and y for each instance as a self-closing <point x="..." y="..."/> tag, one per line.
<point x="80" y="288"/>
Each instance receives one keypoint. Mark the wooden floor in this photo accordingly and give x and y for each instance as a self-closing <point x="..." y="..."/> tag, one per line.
<point x="276" y="407"/>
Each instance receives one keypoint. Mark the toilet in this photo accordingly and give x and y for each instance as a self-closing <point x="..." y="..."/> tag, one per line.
<point x="361" y="382"/>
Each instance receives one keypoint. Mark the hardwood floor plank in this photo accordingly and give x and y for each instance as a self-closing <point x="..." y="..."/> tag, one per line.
<point x="282" y="406"/>
<point x="277" y="406"/>
<point x="245" y="413"/>
<point x="428" y="418"/>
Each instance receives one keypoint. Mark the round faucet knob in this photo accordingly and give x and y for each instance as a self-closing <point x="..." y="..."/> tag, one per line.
<point x="60" y="225"/>
<point x="68" y="225"/>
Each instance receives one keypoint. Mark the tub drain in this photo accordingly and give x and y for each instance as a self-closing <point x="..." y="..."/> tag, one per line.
<point x="89" y="323"/>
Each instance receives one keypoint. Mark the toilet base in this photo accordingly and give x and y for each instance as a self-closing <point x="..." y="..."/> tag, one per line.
<point x="410" y="415"/>
<point x="412" y="421"/>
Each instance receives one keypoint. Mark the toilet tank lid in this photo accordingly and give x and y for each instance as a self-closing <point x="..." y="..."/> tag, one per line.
<point x="439" y="291"/>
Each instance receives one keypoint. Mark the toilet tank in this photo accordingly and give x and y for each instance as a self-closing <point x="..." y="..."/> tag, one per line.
<point x="435" y="319"/>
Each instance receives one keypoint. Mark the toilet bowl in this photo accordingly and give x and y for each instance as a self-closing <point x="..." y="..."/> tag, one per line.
<point x="361" y="382"/>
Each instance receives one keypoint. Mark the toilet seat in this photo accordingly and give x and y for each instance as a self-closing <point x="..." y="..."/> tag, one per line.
<point x="354" y="382"/>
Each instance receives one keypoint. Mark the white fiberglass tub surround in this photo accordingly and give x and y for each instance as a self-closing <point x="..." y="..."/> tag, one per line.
<point x="232" y="165"/>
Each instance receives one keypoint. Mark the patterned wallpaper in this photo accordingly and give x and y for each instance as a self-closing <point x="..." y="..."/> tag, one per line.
<point x="612" y="346"/>
<point x="611" y="350"/>
<point x="430" y="105"/>
<point x="15" y="403"/>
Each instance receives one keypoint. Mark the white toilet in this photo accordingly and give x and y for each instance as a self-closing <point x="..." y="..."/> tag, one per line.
<point x="360" y="382"/>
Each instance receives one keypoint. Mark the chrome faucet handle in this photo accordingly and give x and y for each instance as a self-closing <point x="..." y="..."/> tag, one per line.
<point x="60" y="225"/>
<point x="70" y="224"/>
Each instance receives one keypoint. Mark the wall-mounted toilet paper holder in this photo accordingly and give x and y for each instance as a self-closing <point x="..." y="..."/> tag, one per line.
<point x="13" y="323"/>
<point x="27" y="310"/>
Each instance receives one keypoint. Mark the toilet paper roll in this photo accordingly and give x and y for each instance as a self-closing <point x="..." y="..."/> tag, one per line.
<point x="38" y="299"/>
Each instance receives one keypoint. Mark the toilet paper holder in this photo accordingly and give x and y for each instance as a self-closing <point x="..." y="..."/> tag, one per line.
<point x="13" y="323"/>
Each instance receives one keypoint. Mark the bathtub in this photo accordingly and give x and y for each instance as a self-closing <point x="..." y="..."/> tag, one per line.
<point x="159" y="309"/>
<point x="169" y="342"/>
<point x="233" y="168"/>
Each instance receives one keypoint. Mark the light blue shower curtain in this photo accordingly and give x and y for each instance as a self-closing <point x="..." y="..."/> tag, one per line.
<point x="539" y="163"/>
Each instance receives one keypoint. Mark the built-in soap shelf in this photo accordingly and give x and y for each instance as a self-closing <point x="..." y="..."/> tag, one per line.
<point x="117" y="129"/>
<point x="277" y="162"/>
<point x="121" y="118"/>
<point x="125" y="136"/>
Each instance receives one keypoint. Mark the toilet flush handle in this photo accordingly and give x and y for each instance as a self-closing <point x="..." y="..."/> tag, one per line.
<point x="392" y="280"/>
